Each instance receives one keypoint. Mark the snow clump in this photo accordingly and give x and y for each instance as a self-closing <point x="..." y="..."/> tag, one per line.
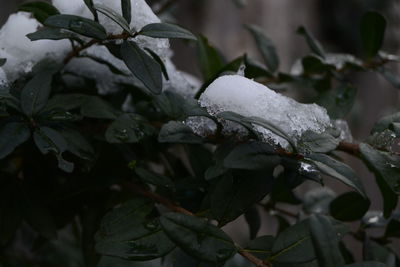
<point x="251" y="99"/>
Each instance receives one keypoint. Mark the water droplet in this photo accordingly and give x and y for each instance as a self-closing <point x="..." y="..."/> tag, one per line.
<point x="121" y="134"/>
<point x="153" y="225"/>
<point x="223" y="254"/>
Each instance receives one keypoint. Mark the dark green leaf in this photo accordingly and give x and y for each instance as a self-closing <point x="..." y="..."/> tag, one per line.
<point x="83" y="26"/>
<point x="386" y="122"/>
<point x="113" y="15"/>
<point x="314" y="45"/>
<point x="95" y="107"/>
<point x="349" y="206"/>
<point x="166" y="30"/>
<point x="90" y="5"/>
<point x="325" y="242"/>
<point x="261" y="246"/>
<point x="35" y="93"/>
<point x="252" y="156"/>
<point x="127" y="128"/>
<point x="313" y="64"/>
<point x="338" y="101"/>
<point x="373" y="26"/>
<point x="40" y="10"/>
<point x="197" y="237"/>
<point x="384" y="165"/>
<point x="253" y="219"/>
<point x="233" y="195"/>
<point x="143" y="66"/>
<point x="255" y="69"/>
<point x="317" y="142"/>
<point x="373" y="251"/>
<point x="77" y="144"/>
<point x="67" y="102"/>
<point x="53" y="34"/>
<point x="126" y="233"/>
<point x="126" y="10"/>
<point x="293" y="245"/>
<point x="387" y="171"/>
<point x="11" y="136"/>
<point x="338" y="170"/>
<point x="159" y="61"/>
<point x="154" y="178"/>
<point x="265" y="46"/>
<point x="367" y="264"/>
<point x="50" y="141"/>
<point x="112" y="68"/>
<point x="209" y="58"/>
<point x="177" y="132"/>
<point x="2" y="61"/>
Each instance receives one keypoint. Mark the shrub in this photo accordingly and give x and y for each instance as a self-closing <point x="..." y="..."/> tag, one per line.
<point x="107" y="151"/>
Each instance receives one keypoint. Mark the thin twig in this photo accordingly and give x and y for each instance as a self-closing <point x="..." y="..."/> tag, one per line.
<point x="350" y="148"/>
<point x="75" y="52"/>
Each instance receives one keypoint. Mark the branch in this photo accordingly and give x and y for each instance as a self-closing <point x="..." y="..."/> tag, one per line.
<point x="350" y="148"/>
<point x="176" y="208"/>
<point x="75" y="52"/>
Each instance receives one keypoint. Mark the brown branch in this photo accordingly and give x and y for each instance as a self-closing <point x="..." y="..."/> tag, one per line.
<point x="350" y="148"/>
<point x="176" y="208"/>
<point x="75" y="52"/>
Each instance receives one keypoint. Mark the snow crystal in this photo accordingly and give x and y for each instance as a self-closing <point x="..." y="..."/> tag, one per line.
<point x="20" y="52"/>
<point x="251" y="99"/>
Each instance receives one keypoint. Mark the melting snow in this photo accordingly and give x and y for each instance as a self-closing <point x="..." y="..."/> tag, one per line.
<point x="251" y="99"/>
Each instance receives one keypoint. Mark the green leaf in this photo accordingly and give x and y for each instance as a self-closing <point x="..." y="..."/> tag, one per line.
<point x="252" y="156"/>
<point x="383" y="164"/>
<point x="159" y="61"/>
<point x="126" y="10"/>
<point x="154" y="178"/>
<point x="318" y="200"/>
<point x="255" y="69"/>
<point x="339" y="101"/>
<point x="177" y="107"/>
<point x="67" y="102"/>
<point x="265" y="46"/>
<point x="83" y="26"/>
<point x="127" y="128"/>
<point x="77" y="144"/>
<point x="373" y="26"/>
<point x="12" y="135"/>
<point x="143" y="66"/>
<point x="210" y="59"/>
<point x="261" y="246"/>
<point x="325" y="242"/>
<point x="40" y="10"/>
<point x="95" y="107"/>
<point x="314" y="64"/>
<point x="338" y="170"/>
<point x="126" y="233"/>
<point x="317" y="142"/>
<point x="35" y="93"/>
<point x="113" y="15"/>
<point x="177" y="132"/>
<point x="293" y="245"/>
<point x="367" y="264"/>
<point x="51" y="141"/>
<point x="349" y="206"/>
<point x="2" y="61"/>
<point x="90" y="6"/>
<point x="386" y="122"/>
<point x="373" y="251"/>
<point x="114" y="69"/>
<point x="314" y="45"/>
<point x="166" y="30"/>
<point x="47" y="33"/>
<point x="235" y="194"/>
<point x="197" y="237"/>
<point x="387" y="172"/>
